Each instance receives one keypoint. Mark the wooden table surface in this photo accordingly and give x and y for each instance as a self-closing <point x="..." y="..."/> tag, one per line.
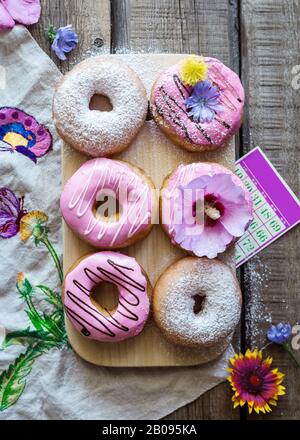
<point x="260" y="40"/>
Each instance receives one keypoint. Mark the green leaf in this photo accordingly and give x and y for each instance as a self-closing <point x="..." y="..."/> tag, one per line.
<point x="51" y="33"/>
<point x="52" y="297"/>
<point x="21" y="337"/>
<point x="44" y="323"/>
<point x="13" y="380"/>
<point x="27" y="337"/>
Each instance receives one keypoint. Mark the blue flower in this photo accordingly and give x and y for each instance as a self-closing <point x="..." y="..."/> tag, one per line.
<point x="280" y="333"/>
<point x="204" y="102"/>
<point x="64" y="42"/>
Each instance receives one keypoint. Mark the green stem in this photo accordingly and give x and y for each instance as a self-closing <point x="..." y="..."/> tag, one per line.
<point x="54" y="255"/>
<point x="291" y="353"/>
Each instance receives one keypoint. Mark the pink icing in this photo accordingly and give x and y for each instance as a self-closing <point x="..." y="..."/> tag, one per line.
<point x="79" y="197"/>
<point x="169" y="102"/>
<point x="133" y="308"/>
<point x="182" y="177"/>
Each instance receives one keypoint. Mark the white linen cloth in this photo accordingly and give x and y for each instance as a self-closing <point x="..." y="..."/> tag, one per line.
<point x="61" y="385"/>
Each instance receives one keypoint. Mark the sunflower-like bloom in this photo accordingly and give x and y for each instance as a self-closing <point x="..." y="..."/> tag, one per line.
<point x="193" y="70"/>
<point x="254" y="382"/>
<point x="31" y="224"/>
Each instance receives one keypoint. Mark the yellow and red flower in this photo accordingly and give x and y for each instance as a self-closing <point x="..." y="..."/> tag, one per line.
<point x="254" y="382"/>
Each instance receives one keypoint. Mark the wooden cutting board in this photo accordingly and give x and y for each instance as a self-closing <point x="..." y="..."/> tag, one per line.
<point x="154" y="153"/>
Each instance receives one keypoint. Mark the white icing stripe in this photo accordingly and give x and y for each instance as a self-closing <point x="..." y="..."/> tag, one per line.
<point x="84" y="189"/>
<point x="88" y="184"/>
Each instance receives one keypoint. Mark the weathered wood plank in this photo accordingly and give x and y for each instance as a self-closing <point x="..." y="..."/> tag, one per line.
<point x="90" y="19"/>
<point x="182" y="26"/>
<point x="270" y="48"/>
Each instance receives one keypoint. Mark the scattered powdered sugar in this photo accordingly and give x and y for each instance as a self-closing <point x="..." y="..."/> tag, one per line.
<point x="220" y="309"/>
<point x="256" y="278"/>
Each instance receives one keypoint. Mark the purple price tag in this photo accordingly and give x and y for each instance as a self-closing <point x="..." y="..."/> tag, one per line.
<point x="276" y="208"/>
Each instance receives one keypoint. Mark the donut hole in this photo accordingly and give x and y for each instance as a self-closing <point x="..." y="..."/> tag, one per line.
<point x="101" y="103"/>
<point x="105" y="297"/>
<point x="199" y="301"/>
<point x="107" y="206"/>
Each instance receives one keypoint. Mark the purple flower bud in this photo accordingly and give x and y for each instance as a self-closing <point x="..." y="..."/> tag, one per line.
<point x="65" y="41"/>
<point x="280" y="333"/>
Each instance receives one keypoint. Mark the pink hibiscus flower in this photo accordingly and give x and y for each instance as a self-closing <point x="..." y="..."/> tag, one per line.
<point x="19" y="11"/>
<point x="225" y="215"/>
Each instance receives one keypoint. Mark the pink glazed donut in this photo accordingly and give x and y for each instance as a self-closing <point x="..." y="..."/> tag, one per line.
<point x="109" y="181"/>
<point x="99" y="323"/>
<point x="168" y="106"/>
<point x="204" y="208"/>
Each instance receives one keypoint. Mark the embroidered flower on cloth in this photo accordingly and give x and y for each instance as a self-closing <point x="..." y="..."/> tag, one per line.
<point x="254" y="381"/>
<point x="32" y="224"/>
<point x="226" y="215"/>
<point x="63" y="40"/>
<point x="204" y="102"/>
<point x="22" y="133"/>
<point x="19" y="11"/>
<point x="11" y="212"/>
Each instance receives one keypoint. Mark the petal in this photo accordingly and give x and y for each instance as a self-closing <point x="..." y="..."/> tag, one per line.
<point x="198" y="183"/>
<point x="206" y="114"/>
<point x="222" y="186"/>
<point x="8" y="226"/>
<point x="236" y="218"/>
<point x="57" y="49"/>
<point x="192" y="101"/>
<point x="24" y="11"/>
<point x="211" y="242"/>
<point x="212" y="93"/>
<point x="6" y="20"/>
<point x="9" y="203"/>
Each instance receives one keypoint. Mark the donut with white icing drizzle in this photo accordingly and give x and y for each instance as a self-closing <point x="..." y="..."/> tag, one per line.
<point x="91" y="131"/>
<point x="197" y="302"/>
<point x="99" y="323"/>
<point x="93" y="182"/>
<point x="169" y="110"/>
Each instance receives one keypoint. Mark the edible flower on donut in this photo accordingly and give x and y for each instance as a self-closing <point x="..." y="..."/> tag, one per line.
<point x="204" y="207"/>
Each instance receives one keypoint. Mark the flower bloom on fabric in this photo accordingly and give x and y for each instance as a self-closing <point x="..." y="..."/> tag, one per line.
<point x="20" y="280"/>
<point x="193" y="70"/>
<point x="31" y="225"/>
<point x="22" y="133"/>
<point x="11" y="213"/>
<point x="19" y="11"/>
<point x="204" y="102"/>
<point x="254" y="382"/>
<point x="64" y="42"/>
<point x="225" y="216"/>
<point x="280" y="333"/>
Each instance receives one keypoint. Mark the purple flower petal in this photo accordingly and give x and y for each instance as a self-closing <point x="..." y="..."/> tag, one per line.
<point x="23" y="11"/>
<point x="9" y="203"/>
<point x="8" y="226"/>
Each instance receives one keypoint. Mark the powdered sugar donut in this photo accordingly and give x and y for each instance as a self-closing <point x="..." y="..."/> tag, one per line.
<point x="93" y="132"/>
<point x="109" y="203"/>
<point x="94" y="321"/>
<point x="204" y="208"/>
<point x="202" y="116"/>
<point x="197" y="303"/>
